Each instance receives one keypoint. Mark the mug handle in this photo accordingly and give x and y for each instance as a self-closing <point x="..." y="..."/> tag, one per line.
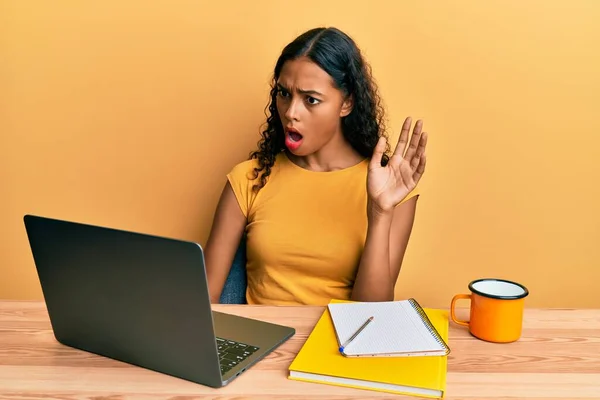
<point x="453" y="304"/>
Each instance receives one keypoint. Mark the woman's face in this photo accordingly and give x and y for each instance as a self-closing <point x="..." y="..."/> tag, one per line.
<point x="310" y="107"/>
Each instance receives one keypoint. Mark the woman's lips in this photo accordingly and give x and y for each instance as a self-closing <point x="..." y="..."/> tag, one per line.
<point x="293" y="138"/>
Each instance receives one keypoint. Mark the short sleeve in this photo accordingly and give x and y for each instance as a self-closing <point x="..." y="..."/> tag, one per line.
<point x="241" y="179"/>
<point x="415" y="192"/>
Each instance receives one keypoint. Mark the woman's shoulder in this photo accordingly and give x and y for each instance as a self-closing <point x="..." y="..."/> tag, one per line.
<point x="249" y="165"/>
<point x="244" y="170"/>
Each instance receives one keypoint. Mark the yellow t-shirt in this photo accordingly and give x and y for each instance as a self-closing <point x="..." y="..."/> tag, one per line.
<point x="305" y="233"/>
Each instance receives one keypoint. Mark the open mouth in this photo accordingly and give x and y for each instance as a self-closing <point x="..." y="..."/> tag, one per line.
<point x="293" y="138"/>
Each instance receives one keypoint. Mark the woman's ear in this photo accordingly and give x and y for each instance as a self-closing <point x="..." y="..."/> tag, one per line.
<point x="347" y="106"/>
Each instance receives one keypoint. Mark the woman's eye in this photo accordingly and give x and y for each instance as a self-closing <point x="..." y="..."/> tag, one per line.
<point x="313" y="101"/>
<point x="283" y="93"/>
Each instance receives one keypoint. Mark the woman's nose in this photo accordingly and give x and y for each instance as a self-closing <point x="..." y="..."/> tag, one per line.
<point x="293" y="109"/>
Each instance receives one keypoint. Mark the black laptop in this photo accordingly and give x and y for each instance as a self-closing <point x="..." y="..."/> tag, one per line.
<point x="143" y="300"/>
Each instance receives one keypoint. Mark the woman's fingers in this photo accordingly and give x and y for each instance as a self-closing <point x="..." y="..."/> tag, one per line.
<point x="403" y="140"/>
<point x="420" y="169"/>
<point x="378" y="153"/>
<point x="414" y="141"/>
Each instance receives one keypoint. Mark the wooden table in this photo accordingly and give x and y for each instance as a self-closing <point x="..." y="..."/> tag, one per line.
<point x="558" y="357"/>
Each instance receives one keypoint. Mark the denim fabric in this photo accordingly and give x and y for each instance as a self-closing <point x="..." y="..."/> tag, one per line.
<point x="234" y="291"/>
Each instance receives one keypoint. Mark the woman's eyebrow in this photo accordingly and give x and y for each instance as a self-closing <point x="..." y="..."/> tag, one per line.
<point x="310" y="91"/>
<point x="302" y="91"/>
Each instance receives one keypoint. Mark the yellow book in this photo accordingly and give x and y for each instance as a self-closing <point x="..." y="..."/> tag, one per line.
<point x="320" y="361"/>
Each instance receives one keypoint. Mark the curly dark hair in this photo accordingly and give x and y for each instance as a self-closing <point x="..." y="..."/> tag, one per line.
<point x="338" y="55"/>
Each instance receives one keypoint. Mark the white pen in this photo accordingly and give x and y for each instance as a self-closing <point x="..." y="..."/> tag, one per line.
<point x="347" y="342"/>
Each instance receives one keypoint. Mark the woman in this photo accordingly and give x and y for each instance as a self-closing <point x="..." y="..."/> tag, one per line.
<point x="326" y="212"/>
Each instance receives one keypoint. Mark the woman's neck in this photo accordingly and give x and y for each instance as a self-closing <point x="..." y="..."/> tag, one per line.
<point x="334" y="156"/>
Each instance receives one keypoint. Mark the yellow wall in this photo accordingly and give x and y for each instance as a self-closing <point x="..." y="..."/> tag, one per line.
<point x="129" y="114"/>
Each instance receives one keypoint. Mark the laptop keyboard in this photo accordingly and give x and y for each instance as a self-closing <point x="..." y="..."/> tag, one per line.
<point x="231" y="353"/>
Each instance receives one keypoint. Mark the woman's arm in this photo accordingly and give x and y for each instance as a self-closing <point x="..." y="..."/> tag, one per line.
<point x="390" y="219"/>
<point x="387" y="239"/>
<point x="227" y="228"/>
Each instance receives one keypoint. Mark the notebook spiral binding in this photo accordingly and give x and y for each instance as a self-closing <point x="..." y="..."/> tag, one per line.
<point x="414" y="304"/>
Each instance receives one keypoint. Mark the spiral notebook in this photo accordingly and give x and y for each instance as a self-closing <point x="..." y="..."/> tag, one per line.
<point x="398" y="329"/>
